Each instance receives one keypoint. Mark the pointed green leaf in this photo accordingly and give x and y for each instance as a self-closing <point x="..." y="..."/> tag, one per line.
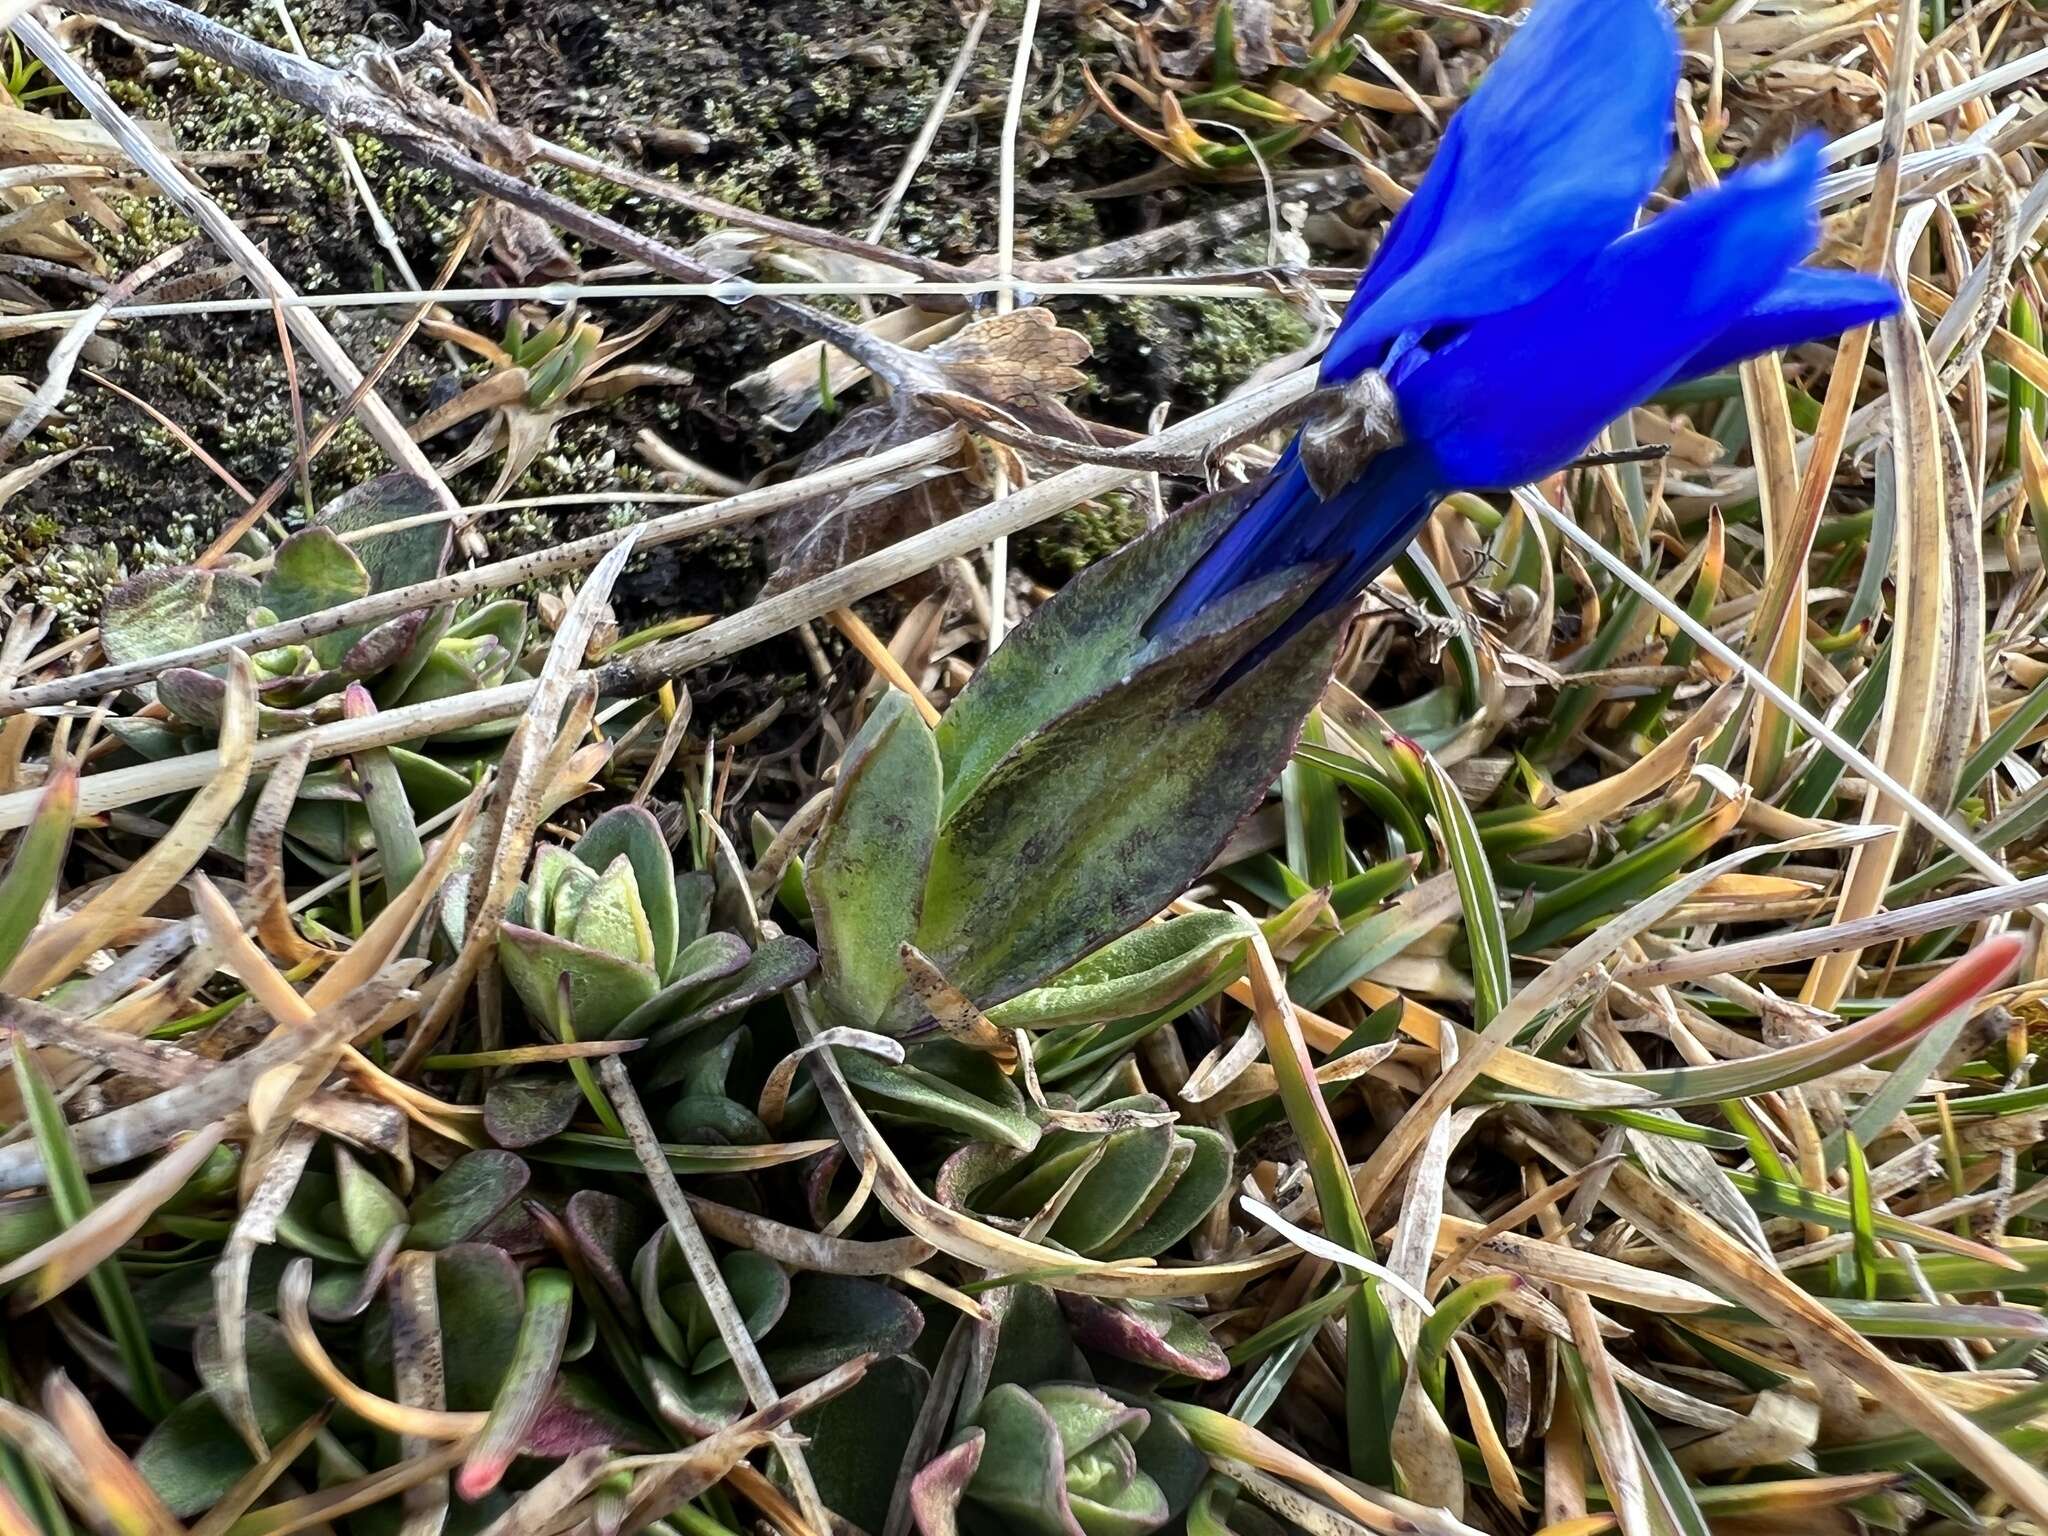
<point x="865" y="876"/>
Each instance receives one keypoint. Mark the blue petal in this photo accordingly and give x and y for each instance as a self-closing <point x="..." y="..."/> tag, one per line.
<point x="1357" y="532"/>
<point x="1806" y="305"/>
<point x="1545" y="164"/>
<point x="1518" y="394"/>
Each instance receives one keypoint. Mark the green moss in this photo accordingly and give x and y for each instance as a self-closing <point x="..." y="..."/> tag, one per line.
<point x="1229" y="338"/>
<point x="1076" y="539"/>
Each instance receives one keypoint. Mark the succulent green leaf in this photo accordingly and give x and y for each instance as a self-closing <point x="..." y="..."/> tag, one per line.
<point x="1034" y="1343"/>
<point x="941" y="1484"/>
<point x="603" y="989"/>
<point x="171" y="607"/>
<point x="482" y="1304"/>
<point x="865" y="878"/>
<point x="1202" y="1180"/>
<point x="193" y="1456"/>
<point x="1147" y="1333"/>
<point x="947" y="1086"/>
<point x="467" y="1197"/>
<point x="523" y="1110"/>
<point x="611" y="920"/>
<point x="760" y="1289"/>
<point x="399" y="559"/>
<point x="504" y="620"/>
<point x="1143" y="972"/>
<point x="1060" y="1460"/>
<point x="856" y="1441"/>
<point x="833" y="1318"/>
<point x="779" y="964"/>
<point x="368" y="1210"/>
<point x="1022" y="1475"/>
<point x="630" y="831"/>
<point x="313" y="570"/>
<point x="1120" y="1185"/>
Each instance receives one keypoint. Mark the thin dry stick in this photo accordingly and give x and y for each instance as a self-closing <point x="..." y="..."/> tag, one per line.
<point x="384" y="426"/>
<point x="646" y="668"/>
<point x="881" y="658"/>
<point x="704" y="1270"/>
<point x="1221" y="285"/>
<point x="1869" y="136"/>
<point x="64" y="356"/>
<point x="1861" y="933"/>
<point x="1006" y="290"/>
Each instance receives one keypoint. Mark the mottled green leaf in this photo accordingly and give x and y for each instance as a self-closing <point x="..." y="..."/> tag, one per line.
<point x="1143" y="972"/>
<point x="865" y="876"/>
<point x="1094" y="819"/>
<point x="946" y="1086"/>
<point x="631" y="831"/>
<point x="466" y="1198"/>
<point x="170" y="607"/>
<point x="831" y="1319"/>
<point x="531" y="1107"/>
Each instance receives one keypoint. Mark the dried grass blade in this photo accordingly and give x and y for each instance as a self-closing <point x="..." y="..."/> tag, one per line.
<point x="1910" y="727"/>
<point x="264" y="860"/>
<point x="1697" y="1243"/>
<point x="122" y="1499"/>
<point x="1375" y="1373"/>
<point x="293" y="1294"/>
<point x="52" y="954"/>
<point x="520" y="786"/>
<point x="1377" y="1174"/>
<point x="64" y="1260"/>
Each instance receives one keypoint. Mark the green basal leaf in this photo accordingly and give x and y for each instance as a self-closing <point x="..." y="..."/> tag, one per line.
<point x="865" y="877"/>
<point x="833" y="1318"/>
<point x="1117" y="804"/>
<point x="603" y="989"/>
<point x="171" y="607"/>
<point x="193" y="1455"/>
<point x="631" y="832"/>
<point x="469" y="1194"/>
<point x="946" y="1086"/>
<point x="313" y="570"/>
<point x="1199" y="1180"/>
<point x="611" y="920"/>
<point x="856" y="1441"/>
<point x="1143" y="972"/>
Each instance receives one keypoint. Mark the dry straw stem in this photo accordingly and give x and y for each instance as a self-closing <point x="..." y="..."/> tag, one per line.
<point x="646" y="669"/>
<point x="703" y="1266"/>
<point x="499" y="574"/>
<point x="1006" y="290"/>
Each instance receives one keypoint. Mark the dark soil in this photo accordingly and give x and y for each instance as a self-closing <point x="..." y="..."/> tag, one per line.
<point x="809" y="107"/>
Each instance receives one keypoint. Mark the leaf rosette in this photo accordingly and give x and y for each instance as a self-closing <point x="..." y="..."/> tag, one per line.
<point x="604" y="940"/>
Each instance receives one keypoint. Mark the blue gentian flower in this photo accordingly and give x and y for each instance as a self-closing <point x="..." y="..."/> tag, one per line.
<point x="1514" y="309"/>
